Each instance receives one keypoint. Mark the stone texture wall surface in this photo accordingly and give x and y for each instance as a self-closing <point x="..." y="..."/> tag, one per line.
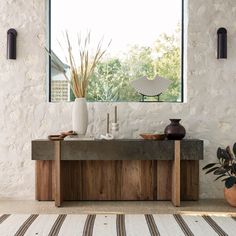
<point x="209" y="112"/>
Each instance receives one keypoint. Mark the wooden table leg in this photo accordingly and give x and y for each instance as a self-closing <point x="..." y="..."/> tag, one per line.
<point x="176" y="175"/>
<point x="58" y="197"/>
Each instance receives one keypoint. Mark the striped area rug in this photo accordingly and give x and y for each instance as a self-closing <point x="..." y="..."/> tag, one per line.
<point x="117" y="225"/>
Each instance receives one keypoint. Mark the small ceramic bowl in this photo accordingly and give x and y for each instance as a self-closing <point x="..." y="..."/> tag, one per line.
<point x="153" y="136"/>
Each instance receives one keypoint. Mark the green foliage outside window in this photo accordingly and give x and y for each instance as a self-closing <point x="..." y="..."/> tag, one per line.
<point x="111" y="79"/>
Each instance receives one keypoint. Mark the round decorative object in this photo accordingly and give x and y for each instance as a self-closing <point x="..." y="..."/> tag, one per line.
<point x="230" y="195"/>
<point x="175" y="131"/>
<point x="80" y="116"/>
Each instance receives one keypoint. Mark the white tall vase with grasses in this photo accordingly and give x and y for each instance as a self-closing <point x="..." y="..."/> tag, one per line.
<point x="82" y="62"/>
<point x="80" y="116"/>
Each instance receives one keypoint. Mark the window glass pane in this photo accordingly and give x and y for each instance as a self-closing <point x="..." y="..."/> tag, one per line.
<point x="146" y="41"/>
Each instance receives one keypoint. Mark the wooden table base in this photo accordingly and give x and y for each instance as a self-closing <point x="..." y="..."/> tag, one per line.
<point x="58" y="190"/>
<point x="175" y="188"/>
<point x="175" y="175"/>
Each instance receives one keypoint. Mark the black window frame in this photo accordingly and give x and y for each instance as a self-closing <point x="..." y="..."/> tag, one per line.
<point x="49" y="15"/>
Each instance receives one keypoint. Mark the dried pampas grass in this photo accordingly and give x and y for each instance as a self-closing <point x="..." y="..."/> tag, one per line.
<point x="81" y="70"/>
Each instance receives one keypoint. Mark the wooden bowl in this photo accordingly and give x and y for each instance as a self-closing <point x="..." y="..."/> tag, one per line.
<point x="153" y="136"/>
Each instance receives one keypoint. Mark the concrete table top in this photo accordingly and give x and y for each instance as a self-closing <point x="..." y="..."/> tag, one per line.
<point x="118" y="149"/>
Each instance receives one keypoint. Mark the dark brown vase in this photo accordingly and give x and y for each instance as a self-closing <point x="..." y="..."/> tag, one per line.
<point x="175" y="131"/>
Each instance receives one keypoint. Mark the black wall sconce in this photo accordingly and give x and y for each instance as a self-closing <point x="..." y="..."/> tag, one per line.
<point x="11" y="44"/>
<point x="221" y="43"/>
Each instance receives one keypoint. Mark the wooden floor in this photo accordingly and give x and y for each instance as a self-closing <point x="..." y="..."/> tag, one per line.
<point x="132" y="207"/>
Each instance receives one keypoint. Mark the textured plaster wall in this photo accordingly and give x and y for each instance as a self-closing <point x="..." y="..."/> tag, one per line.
<point x="209" y="113"/>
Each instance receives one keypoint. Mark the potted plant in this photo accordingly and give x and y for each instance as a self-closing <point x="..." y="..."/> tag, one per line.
<point x="225" y="169"/>
<point x="82" y="61"/>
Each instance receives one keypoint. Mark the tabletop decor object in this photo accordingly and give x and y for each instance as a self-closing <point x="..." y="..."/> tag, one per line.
<point x="115" y="125"/>
<point x="149" y="136"/>
<point x="108" y="135"/>
<point x="175" y="131"/>
<point x="82" y="61"/>
<point x="61" y="136"/>
<point x="150" y="87"/>
<point x="225" y="169"/>
<point x="80" y="116"/>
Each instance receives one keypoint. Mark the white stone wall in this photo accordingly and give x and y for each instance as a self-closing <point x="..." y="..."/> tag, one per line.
<point x="209" y="113"/>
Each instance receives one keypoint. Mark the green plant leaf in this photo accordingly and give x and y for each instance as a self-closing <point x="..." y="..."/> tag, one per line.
<point x="220" y="171"/>
<point x="230" y="182"/>
<point x="224" y="179"/>
<point x="209" y="166"/>
<point x="226" y="165"/>
<point x="230" y="154"/>
<point x="224" y="154"/>
<point x="212" y="169"/>
<point x="220" y="177"/>
<point x="233" y="169"/>
<point x="218" y="153"/>
<point x="234" y="149"/>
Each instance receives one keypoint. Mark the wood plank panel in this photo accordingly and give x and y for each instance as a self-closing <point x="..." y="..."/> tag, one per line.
<point x="99" y="180"/>
<point x="58" y="185"/>
<point x="164" y="180"/>
<point x="115" y="180"/>
<point x="136" y="180"/>
<point x="154" y="179"/>
<point x="175" y="189"/>
<point x="44" y="180"/>
<point x="148" y="183"/>
<point x="130" y="180"/>
<point x="189" y="180"/>
<point x="72" y="180"/>
<point x="118" y="179"/>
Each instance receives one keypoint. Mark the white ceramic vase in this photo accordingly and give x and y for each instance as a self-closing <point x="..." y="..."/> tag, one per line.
<point x="80" y="116"/>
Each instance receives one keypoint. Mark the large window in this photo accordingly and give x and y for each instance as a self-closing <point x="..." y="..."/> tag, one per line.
<point x="146" y="41"/>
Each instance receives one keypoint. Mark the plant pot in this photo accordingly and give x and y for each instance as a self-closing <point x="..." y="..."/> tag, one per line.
<point x="230" y="195"/>
<point x="80" y="116"/>
<point x="175" y="131"/>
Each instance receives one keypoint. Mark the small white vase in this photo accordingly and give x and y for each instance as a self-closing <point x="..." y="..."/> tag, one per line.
<point x="80" y="116"/>
<point x="115" y="130"/>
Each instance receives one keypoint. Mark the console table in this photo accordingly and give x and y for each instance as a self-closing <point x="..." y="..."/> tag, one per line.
<point x="117" y="169"/>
